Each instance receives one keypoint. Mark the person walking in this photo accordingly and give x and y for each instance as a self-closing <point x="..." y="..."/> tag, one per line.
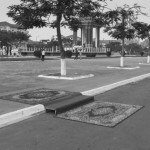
<point x="43" y="55"/>
<point x="76" y="54"/>
<point x="80" y="54"/>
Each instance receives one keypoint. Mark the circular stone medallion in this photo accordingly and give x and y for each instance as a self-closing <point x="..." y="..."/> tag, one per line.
<point x="41" y="94"/>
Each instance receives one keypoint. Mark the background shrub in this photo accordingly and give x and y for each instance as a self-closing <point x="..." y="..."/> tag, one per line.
<point x="142" y="53"/>
<point x="108" y="54"/>
<point x="91" y="55"/>
<point x="24" y="53"/>
<point x="37" y="54"/>
<point x="68" y="54"/>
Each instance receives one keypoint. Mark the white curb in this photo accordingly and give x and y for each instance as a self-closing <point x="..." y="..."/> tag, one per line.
<point x="22" y="114"/>
<point x="114" y="85"/>
<point x="19" y="115"/>
<point x="126" y="68"/>
<point x="67" y="78"/>
<point x="144" y="64"/>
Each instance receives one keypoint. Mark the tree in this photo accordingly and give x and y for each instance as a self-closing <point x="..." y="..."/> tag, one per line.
<point x="38" y="13"/>
<point x="12" y="38"/>
<point x="20" y="36"/>
<point x="135" y="40"/>
<point x="5" y="37"/>
<point x="119" y="24"/>
<point x="145" y="43"/>
<point x="133" y="48"/>
<point x="114" y="46"/>
<point x="143" y="31"/>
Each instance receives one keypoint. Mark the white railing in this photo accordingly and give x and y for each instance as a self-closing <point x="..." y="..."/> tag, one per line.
<point x="49" y="49"/>
<point x="55" y="49"/>
<point x="95" y="50"/>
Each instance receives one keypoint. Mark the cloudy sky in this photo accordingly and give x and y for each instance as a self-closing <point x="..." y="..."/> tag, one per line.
<point x="46" y="33"/>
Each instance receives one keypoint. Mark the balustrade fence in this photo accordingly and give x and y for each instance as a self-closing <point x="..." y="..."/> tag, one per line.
<point x="55" y="49"/>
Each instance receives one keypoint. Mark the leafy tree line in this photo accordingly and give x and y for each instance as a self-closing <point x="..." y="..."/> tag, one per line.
<point x="131" y="48"/>
<point x="121" y="24"/>
<point x="118" y="23"/>
<point x="65" y="41"/>
<point x="38" y="13"/>
<point x="12" y="38"/>
<point x="143" y="32"/>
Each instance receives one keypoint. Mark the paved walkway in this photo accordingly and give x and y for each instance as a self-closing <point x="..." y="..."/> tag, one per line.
<point x="17" y="76"/>
<point x="48" y="132"/>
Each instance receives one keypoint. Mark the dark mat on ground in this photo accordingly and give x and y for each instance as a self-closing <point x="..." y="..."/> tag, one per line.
<point x="69" y="103"/>
<point x="43" y="96"/>
<point x="101" y="113"/>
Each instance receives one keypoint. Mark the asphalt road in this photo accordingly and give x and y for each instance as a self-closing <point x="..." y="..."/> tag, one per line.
<point x="45" y="132"/>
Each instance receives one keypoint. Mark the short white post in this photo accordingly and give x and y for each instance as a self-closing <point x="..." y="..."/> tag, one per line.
<point x="63" y="67"/>
<point x="121" y="62"/>
<point x="148" y="59"/>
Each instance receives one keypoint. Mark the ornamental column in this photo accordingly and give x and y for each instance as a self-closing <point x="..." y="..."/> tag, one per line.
<point x="89" y="35"/>
<point x="87" y="31"/>
<point x="81" y="37"/>
<point x="74" y="37"/>
<point x="97" y="36"/>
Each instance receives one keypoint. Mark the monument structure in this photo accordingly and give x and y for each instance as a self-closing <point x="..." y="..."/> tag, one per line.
<point x="87" y="25"/>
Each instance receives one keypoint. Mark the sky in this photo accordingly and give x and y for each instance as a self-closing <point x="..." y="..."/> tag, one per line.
<point x="47" y="33"/>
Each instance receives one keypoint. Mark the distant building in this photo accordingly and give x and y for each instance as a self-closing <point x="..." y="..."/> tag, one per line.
<point x="103" y="43"/>
<point x="44" y="41"/>
<point x="71" y="37"/>
<point x="109" y="41"/>
<point x="11" y="27"/>
<point x="5" y="26"/>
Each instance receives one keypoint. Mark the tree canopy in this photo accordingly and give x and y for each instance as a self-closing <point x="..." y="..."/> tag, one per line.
<point x="120" y="22"/>
<point x="9" y="38"/>
<point x="55" y="13"/>
<point x="143" y="31"/>
<point x="114" y="46"/>
<point x="133" y="48"/>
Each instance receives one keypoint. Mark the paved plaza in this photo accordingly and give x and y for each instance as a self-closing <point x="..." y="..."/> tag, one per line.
<point x="18" y="76"/>
<point x="21" y="76"/>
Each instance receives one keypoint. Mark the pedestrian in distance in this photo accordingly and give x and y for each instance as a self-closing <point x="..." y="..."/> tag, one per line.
<point x="76" y="54"/>
<point x="43" y="55"/>
<point x="80" y="54"/>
